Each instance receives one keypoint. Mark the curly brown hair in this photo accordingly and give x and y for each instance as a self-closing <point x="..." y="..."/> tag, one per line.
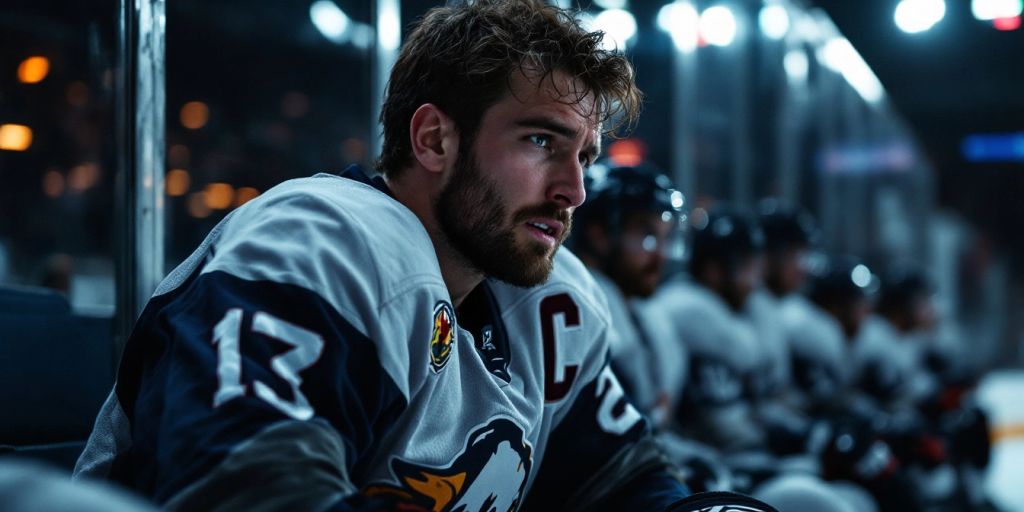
<point x="462" y="58"/>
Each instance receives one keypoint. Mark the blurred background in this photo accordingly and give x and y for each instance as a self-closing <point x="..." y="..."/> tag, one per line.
<point x="128" y="130"/>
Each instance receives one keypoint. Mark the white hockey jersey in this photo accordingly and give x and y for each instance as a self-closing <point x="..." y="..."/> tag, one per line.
<point x="723" y="351"/>
<point x="820" y="356"/>
<point x="307" y="356"/>
<point x="649" y="360"/>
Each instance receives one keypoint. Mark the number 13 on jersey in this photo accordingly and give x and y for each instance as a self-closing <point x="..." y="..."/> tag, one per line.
<point x="306" y="349"/>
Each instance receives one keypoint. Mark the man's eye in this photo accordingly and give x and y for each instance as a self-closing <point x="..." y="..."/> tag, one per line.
<point x="543" y="141"/>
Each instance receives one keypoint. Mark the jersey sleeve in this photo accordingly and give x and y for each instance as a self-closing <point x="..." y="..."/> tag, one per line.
<point x="245" y="383"/>
<point x="255" y="387"/>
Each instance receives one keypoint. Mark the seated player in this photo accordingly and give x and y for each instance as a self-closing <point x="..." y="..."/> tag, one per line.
<point x="415" y="341"/>
<point x="626" y="233"/>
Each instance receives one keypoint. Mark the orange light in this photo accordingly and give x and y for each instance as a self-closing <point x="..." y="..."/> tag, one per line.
<point x="176" y="182"/>
<point x="33" y="69"/>
<point x="83" y="176"/>
<point x="53" y="183"/>
<point x="244" y="195"/>
<point x="197" y="205"/>
<point x="219" y="195"/>
<point x="1007" y="24"/>
<point x="194" y="115"/>
<point x="294" y="105"/>
<point x="627" y="152"/>
<point x="178" y="155"/>
<point x="77" y="93"/>
<point x="15" y="137"/>
<point x="353" y="150"/>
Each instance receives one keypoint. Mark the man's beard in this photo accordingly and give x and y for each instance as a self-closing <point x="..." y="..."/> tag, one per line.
<point x="634" y="282"/>
<point x="473" y="218"/>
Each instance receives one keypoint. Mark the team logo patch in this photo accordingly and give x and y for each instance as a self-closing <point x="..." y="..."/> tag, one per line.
<point x="489" y="475"/>
<point x="442" y="336"/>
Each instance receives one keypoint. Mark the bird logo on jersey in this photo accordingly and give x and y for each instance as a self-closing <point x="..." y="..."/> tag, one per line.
<point x="489" y="475"/>
<point x="441" y="336"/>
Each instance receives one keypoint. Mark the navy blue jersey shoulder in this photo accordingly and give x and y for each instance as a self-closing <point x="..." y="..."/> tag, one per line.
<point x="356" y="173"/>
<point x="178" y="363"/>
<point x="577" y="447"/>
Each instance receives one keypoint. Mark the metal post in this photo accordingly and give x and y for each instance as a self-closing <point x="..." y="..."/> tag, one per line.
<point x="387" y="39"/>
<point x="789" y="125"/>
<point x="141" y="141"/>
<point x="742" y="152"/>
<point x="684" y="80"/>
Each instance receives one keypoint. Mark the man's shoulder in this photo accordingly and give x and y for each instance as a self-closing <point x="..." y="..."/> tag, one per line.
<point x="349" y="243"/>
<point x="341" y="222"/>
<point x="356" y="205"/>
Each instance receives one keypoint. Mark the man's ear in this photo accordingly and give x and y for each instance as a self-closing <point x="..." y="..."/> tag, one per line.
<point x="433" y="138"/>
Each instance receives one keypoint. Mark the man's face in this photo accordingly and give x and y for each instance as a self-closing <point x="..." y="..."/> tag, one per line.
<point x="508" y="204"/>
<point x="854" y="315"/>
<point x="638" y="258"/>
<point x="742" y="281"/>
<point x="923" y="314"/>
<point x="787" y="269"/>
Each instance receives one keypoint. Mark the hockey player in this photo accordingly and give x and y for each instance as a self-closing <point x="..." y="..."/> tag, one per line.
<point x="891" y="349"/>
<point x="789" y="237"/>
<point x="811" y="339"/>
<point x="705" y="313"/>
<point x="627" y="231"/>
<point x="709" y="314"/>
<point x="415" y="341"/>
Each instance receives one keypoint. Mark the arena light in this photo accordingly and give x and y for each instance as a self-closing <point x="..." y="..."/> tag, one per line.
<point x="244" y="195"/>
<point x="194" y="115"/>
<point x="718" y="25"/>
<point x="987" y="10"/>
<point x="330" y="20"/>
<point x="15" y="137"/>
<point x="218" y="196"/>
<point x="627" y="152"/>
<point x="1006" y="24"/>
<point x="197" y="205"/>
<point x="861" y="276"/>
<point x="914" y="16"/>
<point x="774" y="21"/>
<point x="680" y="20"/>
<point x="611" y="4"/>
<point x="619" y="27"/>
<point x="389" y="26"/>
<point x="83" y="176"/>
<point x="177" y="182"/>
<point x="53" y="183"/>
<point x="840" y="56"/>
<point x="33" y="70"/>
<point x="796" y="65"/>
<point x="993" y="147"/>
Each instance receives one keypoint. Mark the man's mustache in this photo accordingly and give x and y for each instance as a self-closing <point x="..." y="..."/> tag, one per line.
<point x="548" y="211"/>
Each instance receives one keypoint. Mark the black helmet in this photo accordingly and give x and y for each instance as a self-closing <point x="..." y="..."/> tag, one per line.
<point x="726" y="237"/>
<point x="901" y="284"/>
<point x="786" y="227"/>
<point x="841" y="280"/>
<point x="614" y="192"/>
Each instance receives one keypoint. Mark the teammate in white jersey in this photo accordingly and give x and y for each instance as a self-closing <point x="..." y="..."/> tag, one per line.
<point x="627" y="232"/>
<point x="706" y="314"/>
<point x="412" y="342"/>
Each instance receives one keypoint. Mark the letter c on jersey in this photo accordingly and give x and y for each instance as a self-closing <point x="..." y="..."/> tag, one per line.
<point x="562" y="304"/>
